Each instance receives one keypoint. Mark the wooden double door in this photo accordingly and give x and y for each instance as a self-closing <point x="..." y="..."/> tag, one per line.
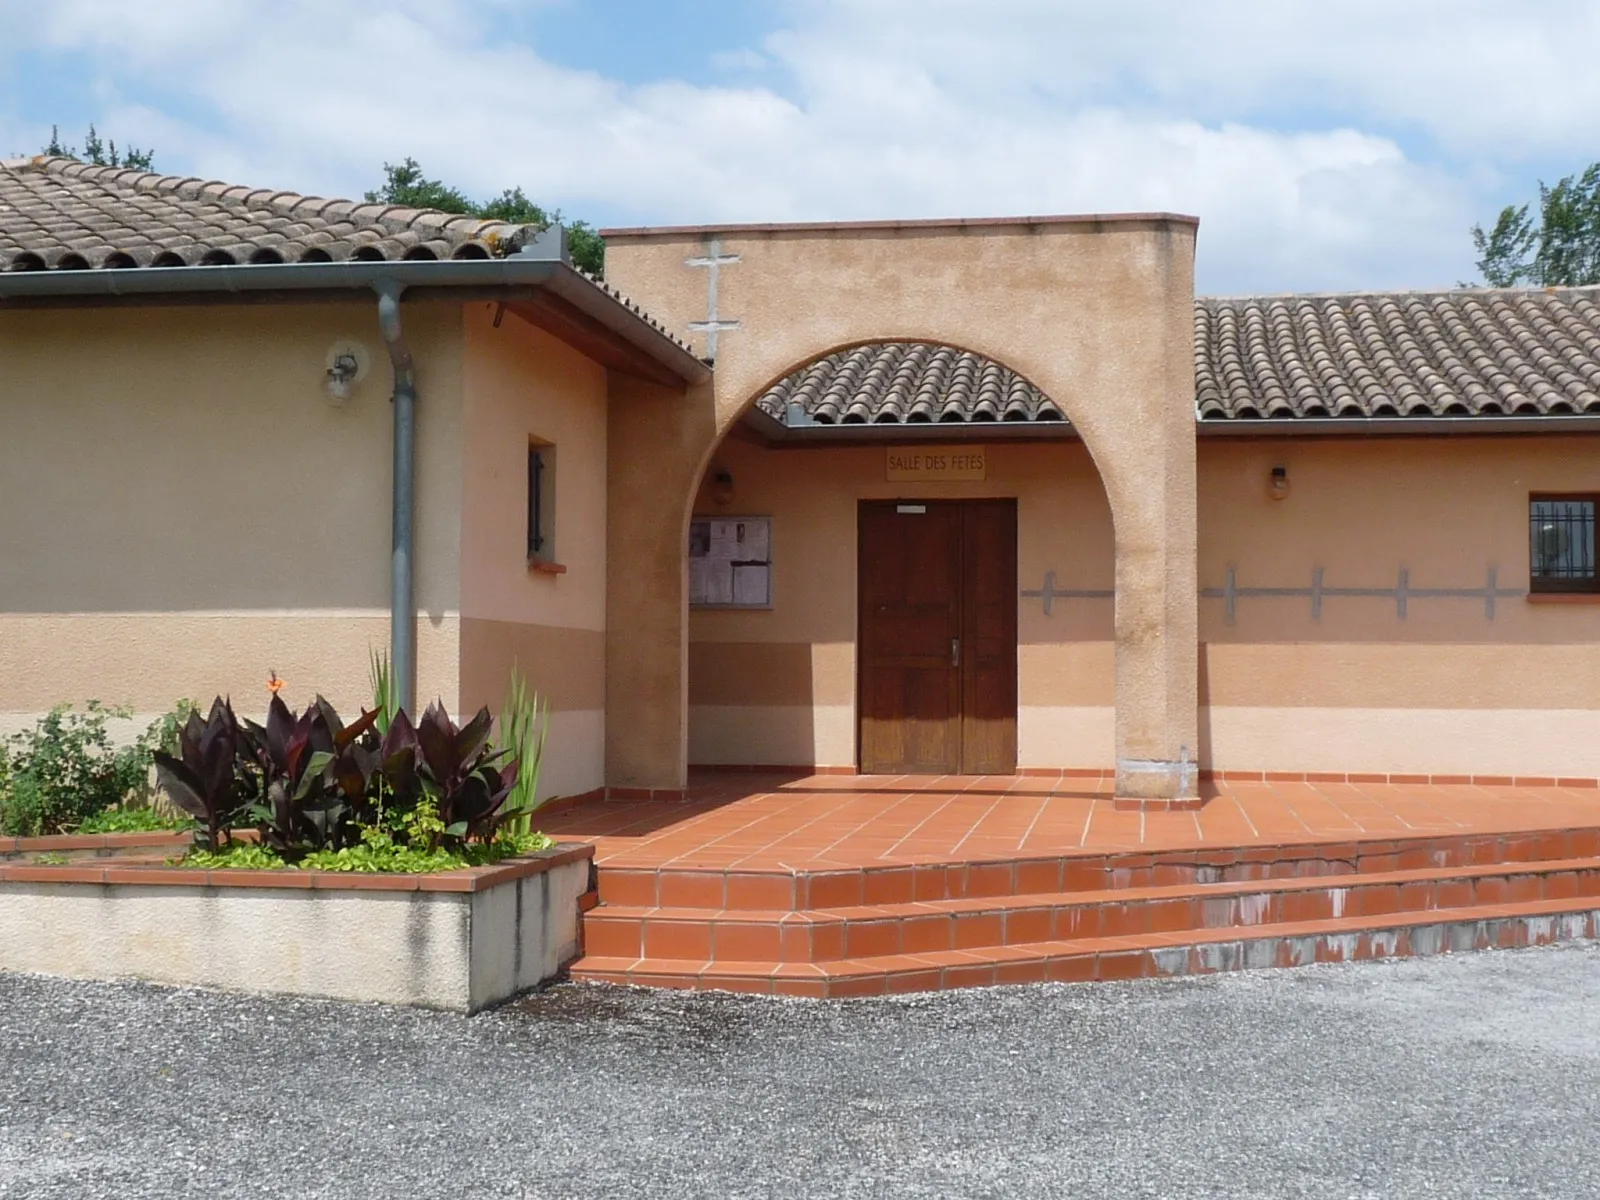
<point x="937" y="637"/>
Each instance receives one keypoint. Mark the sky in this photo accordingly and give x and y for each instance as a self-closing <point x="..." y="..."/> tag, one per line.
<point x="1325" y="146"/>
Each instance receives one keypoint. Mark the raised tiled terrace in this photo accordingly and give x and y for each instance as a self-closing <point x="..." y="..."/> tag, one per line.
<point x="830" y="885"/>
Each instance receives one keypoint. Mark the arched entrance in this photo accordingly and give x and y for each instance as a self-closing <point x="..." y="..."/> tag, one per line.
<point x="868" y="617"/>
<point x="1096" y="313"/>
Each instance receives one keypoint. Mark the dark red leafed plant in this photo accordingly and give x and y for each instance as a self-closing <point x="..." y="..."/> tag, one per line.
<point x="203" y="779"/>
<point x="454" y="766"/>
<point x="311" y="783"/>
<point x="316" y="774"/>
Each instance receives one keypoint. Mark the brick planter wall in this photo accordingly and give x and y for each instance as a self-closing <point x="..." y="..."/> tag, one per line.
<point x="456" y="940"/>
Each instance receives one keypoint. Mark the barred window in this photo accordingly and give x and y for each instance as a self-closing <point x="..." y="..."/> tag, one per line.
<point x="1561" y="543"/>
<point x="541" y="502"/>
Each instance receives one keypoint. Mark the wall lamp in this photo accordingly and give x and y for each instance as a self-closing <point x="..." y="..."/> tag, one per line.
<point x="340" y="376"/>
<point x="346" y="363"/>
<point x="1278" y="483"/>
<point x="722" y="486"/>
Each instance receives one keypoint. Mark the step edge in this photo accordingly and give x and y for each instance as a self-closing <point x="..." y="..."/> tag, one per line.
<point x="1093" y="947"/>
<point x="967" y="905"/>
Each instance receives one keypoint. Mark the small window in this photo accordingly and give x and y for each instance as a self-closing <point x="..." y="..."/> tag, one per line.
<point x="1561" y="543"/>
<point x="541" y="502"/>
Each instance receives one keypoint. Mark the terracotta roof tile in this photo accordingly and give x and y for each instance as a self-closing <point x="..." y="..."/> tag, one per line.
<point x="908" y="382"/>
<point x="54" y="208"/>
<point x="1473" y="352"/>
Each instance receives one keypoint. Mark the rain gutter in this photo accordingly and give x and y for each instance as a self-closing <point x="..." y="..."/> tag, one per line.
<point x="1269" y="427"/>
<point x="537" y="267"/>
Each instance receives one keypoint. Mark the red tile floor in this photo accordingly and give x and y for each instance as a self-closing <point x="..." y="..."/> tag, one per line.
<point x="845" y="885"/>
<point x="827" y="821"/>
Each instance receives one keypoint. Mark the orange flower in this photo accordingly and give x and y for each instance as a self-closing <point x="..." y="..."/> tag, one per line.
<point x="274" y="684"/>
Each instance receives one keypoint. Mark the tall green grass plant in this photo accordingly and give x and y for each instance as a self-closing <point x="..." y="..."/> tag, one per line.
<point x="524" y="722"/>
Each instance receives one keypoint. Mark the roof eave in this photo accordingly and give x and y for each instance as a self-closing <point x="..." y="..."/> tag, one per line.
<point x="1453" y="426"/>
<point x="775" y="432"/>
<point x="155" y="285"/>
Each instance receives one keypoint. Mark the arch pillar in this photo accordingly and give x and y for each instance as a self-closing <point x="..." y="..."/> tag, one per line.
<point x="1097" y="312"/>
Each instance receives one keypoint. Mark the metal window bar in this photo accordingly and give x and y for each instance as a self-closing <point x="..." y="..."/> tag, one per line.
<point x="535" y="492"/>
<point x="1561" y="549"/>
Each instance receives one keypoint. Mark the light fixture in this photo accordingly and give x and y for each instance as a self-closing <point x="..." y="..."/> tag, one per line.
<point x="1278" y="483"/>
<point x="722" y="486"/>
<point x="340" y="376"/>
<point x="347" y="362"/>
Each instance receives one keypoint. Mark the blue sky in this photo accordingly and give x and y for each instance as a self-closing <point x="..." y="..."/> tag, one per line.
<point x="1324" y="146"/>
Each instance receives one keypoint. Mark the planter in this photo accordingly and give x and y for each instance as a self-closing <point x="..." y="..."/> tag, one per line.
<point x="456" y="940"/>
<point x="155" y="844"/>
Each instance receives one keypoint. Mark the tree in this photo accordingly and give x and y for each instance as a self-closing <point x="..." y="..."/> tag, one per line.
<point x="1559" y="249"/>
<point x="404" y="183"/>
<point x="101" y="153"/>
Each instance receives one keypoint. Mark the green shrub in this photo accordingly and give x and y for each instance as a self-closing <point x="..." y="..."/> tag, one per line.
<point x="67" y="768"/>
<point x="22" y="809"/>
<point x="67" y="772"/>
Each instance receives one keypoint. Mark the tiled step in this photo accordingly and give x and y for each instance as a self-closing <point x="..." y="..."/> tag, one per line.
<point x="1183" y="952"/>
<point x="797" y="890"/>
<point x="826" y="935"/>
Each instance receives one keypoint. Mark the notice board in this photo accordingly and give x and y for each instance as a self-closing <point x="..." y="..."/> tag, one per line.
<point x="730" y="562"/>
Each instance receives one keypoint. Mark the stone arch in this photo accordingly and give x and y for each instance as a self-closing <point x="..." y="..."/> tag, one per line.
<point x="1095" y="312"/>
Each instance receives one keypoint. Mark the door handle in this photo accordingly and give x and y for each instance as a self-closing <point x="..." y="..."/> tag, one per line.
<point x="955" y="652"/>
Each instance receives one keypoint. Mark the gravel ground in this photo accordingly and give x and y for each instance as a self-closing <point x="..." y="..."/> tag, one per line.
<point x="1471" y="1076"/>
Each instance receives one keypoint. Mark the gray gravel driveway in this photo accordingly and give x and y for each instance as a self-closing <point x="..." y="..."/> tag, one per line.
<point x="1472" y="1076"/>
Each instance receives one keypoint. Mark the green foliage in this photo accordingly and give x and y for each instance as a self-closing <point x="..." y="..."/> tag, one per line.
<point x="404" y="183"/>
<point x="384" y="700"/>
<point x="166" y="730"/>
<point x="136" y="820"/>
<point x="524" y="721"/>
<point x="1559" y="249"/>
<point x="242" y="855"/>
<point x="67" y="768"/>
<point x="23" y="813"/>
<point x="100" y="152"/>
<point x="399" y="847"/>
<point x="51" y="858"/>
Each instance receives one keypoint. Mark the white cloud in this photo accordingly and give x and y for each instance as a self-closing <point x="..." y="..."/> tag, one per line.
<point x="1323" y="145"/>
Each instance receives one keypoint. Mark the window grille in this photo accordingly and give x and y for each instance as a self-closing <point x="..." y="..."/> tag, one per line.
<point x="1561" y="544"/>
<point x="535" y="502"/>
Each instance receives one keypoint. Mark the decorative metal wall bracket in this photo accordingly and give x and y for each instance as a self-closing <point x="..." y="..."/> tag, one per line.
<point x="1402" y="593"/>
<point x="1050" y="593"/>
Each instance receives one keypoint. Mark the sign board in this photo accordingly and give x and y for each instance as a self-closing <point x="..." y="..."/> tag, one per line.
<point x="730" y="562"/>
<point x="915" y="465"/>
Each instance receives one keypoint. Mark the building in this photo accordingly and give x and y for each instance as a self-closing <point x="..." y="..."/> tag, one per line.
<point x="912" y="497"/>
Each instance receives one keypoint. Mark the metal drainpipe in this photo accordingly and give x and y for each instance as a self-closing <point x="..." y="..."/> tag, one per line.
<point x="402" y="596"/>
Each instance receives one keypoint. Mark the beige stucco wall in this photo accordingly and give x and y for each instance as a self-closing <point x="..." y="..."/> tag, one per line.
<point x="1443" y="690"/>
<point x="1097" y="312"/>
<point x="521" y="385"/>
<point x="779" y="686"/>
<point x="182" y="510"/>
